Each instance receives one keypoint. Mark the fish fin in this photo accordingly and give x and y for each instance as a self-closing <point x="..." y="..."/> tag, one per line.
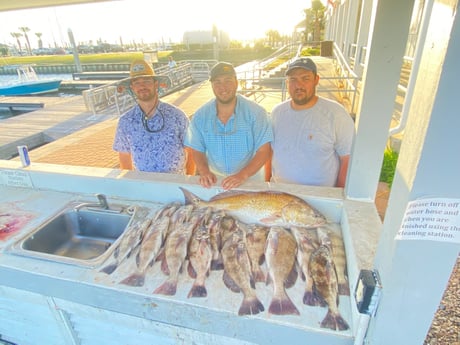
<point x="272" y="219"/>
<point x="261" y="259"/>
<point x="226" y="194"/>
<point x="109" y="269"/>
<point x="344" y="289"/>
<point x="230" y="283"/>
<point x="190" y="198"/>
<point x="116" y="252"/>
<point x="217" y="265"/>
<point x="319" y="298"/>
<point x="161" y="255"/>
<point x="251" y="306"/>
<point x="138" y="258"/>
<point x="268" y="280"/>
<point x="259" y="276"/>
<point x="197" y="291"/>
<point x="135" y="279"/>
<point x="283" y="306"/>
<point x="164" y="266"/>
<point x="191" y="271"/>
<point x="291" y="278"/>
<point x="310" y="298"/>
<point x="334" y="322"/>
<point x="167" y="288"/>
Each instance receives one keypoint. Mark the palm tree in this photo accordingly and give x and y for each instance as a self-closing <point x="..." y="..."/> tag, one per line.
<point x="39" y="36"/>
<point x="17" y="35"/>
<point x="314" y="20"/>
<point x="25" y="30"/>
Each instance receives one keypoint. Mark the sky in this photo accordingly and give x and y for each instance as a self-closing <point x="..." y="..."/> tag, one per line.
<point x="136" y="20"/>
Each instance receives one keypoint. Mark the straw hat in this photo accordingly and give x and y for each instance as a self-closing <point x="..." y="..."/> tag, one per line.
<point x="140" y="68"/>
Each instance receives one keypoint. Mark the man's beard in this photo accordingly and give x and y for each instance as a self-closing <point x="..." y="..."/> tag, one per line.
<point x="303" y="100"/>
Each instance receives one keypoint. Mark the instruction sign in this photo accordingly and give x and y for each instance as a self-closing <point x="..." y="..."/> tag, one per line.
<point x="15" y="178"/>
<point x="434" y="219"/>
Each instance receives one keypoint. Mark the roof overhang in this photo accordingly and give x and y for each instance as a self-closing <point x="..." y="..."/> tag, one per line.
<point x="28" y="4"/>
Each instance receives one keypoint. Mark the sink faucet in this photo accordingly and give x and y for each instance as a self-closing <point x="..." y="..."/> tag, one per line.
<point x="102" y="203"/>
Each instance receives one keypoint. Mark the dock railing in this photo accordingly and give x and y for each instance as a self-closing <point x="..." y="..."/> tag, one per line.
<point x="116" y="98"/>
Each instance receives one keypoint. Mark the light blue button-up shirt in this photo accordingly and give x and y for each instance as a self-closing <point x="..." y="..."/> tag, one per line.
<point x="229" y="147"/>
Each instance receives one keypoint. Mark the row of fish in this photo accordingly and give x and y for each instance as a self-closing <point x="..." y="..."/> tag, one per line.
<point x="279" y="229"/>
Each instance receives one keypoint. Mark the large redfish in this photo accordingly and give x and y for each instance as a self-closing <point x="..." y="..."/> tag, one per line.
<point x="267" y="207"/>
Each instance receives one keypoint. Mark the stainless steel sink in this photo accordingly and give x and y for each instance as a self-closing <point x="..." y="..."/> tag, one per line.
<point x="76" y="235"/>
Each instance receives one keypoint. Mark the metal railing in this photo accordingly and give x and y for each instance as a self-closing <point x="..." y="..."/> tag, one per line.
<point x="347" y="80"/>
<point x="116" y="98"/>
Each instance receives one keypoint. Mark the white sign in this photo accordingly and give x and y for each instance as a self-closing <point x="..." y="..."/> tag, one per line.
<point x="436" y="219"/>
<point x="15" y="178"/>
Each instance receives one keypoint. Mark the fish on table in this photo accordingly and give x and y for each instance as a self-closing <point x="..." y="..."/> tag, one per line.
<point x="280" y="256"/>
<point x="148" y="250"/>
<point x="264" y="207"/>
<point x="127" y="244"/>
<point x="334" y="240"/>
<point x="307" y="242"/>
<point x="215" y="239"/>
<point x="175" y="252"/>
<point x="199" y="256"/>
<point x="237" y="273"/>
<point x="167" y="210"/>
<point x="256" y="238"/>
<point x="325" y="285"/>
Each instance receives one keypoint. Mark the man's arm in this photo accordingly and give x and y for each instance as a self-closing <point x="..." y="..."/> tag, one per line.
<point x="268" y="168"/>
<point x="260" y="158"/>
<point x="190" y="167"/>
<point x="207" y="178"/>
<point x="126" y="161"/>
<point x="342" y="176"/>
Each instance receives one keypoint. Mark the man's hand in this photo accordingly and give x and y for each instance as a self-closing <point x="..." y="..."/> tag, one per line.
<point x="233" y="181"/>
<point x="207" y="179"/>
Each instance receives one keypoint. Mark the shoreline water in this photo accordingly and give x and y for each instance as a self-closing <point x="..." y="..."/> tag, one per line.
<point x="8" y="79"/>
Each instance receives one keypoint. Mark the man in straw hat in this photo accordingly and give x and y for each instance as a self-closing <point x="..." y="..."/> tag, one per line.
<point x="150" y="136"/>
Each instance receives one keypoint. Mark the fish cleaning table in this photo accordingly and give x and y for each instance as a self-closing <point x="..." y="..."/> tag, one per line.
<point x="84" y="305"/>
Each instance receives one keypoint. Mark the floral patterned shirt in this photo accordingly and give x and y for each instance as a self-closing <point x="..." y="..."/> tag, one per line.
<point x="160" y="151"/>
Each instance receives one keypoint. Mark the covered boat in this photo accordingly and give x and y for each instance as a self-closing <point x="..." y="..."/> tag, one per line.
<point x="28" y="83"/>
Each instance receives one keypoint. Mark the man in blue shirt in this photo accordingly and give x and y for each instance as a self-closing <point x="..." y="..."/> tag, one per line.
<point x="150" y="136"/>
<point x="230" y="135"/>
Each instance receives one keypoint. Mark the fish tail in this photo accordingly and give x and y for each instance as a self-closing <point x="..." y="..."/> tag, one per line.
<point x="135" y="279"/>
<point x="109" y="269"/>
<point x="197" y="291"/>
<point x="217" y="265"/>
<point x="334" y="322"/>
<point x="190" y="198"/>
<point x="282" y="306"/>
<point x="251" y="306"/>
<point x="167" y="288"/>
<point x="310" y="298"/>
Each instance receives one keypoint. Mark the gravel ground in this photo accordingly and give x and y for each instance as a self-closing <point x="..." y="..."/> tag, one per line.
<point x="445" y="329"/>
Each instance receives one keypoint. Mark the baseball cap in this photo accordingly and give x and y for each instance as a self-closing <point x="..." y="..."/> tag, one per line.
<point x="304" y="63"/>
<point x="222" y="68"/>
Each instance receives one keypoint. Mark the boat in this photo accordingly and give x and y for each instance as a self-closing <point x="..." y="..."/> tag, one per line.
<point x="28" y="83"/>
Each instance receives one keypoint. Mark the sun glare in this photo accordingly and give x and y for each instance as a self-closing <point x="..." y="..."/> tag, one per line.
<point x="135" y="20"/>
